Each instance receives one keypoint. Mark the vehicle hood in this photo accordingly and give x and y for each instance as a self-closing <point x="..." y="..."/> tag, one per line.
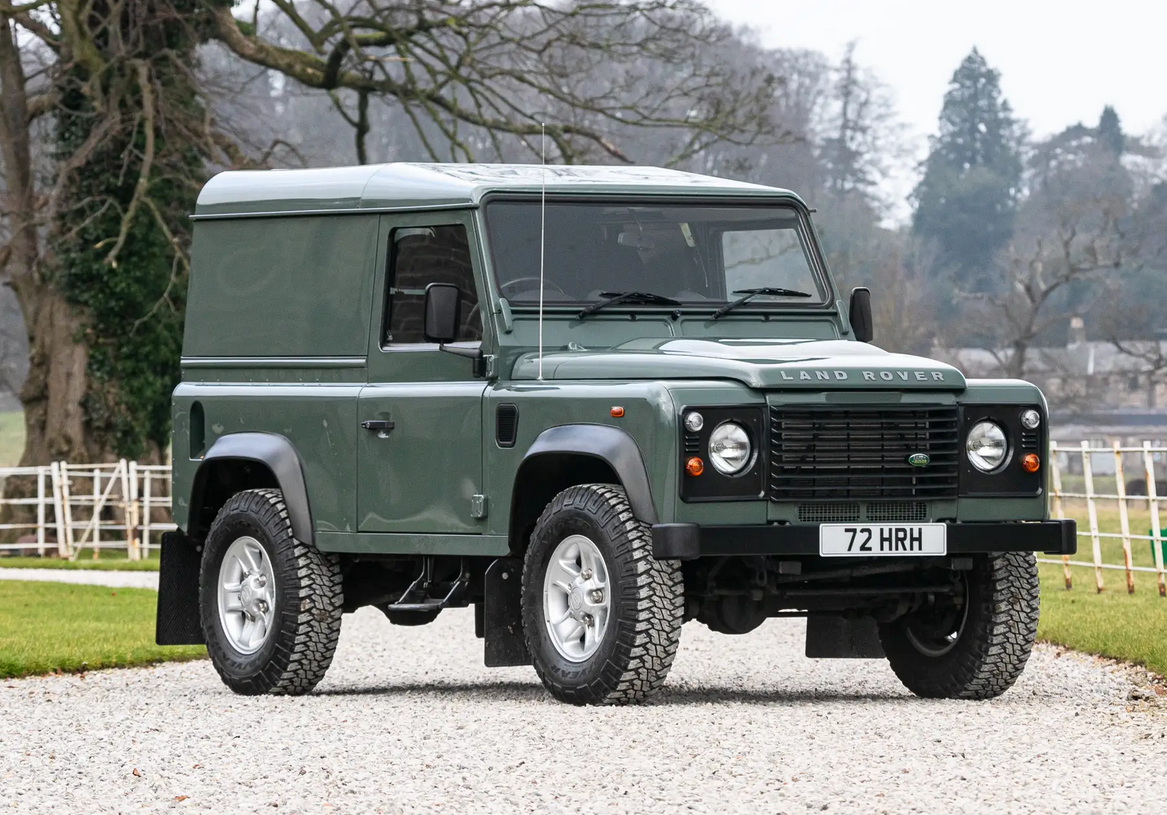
<point x="762" y="364"/>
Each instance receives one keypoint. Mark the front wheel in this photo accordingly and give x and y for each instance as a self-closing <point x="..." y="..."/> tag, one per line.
<point x="601" y="616"/>
<point x="271" y="604"/>
<point x="975" y="643"/>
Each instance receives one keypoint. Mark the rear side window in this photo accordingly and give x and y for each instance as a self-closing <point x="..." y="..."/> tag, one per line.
<point x="419" y="256"/>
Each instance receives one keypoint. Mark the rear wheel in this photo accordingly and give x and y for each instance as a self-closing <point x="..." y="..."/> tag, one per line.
<point x="601" y="616"/>
<point x="270" y="604"/>
<point x="973" y="645"/>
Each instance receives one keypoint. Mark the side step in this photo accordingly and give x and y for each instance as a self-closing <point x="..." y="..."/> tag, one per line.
<point x="414" y="598"/>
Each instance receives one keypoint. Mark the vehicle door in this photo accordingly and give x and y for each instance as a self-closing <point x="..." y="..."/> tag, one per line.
<point x="420" y="447"/>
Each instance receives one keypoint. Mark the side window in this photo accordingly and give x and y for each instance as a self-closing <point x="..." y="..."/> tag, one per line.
<point x="419" y="256"/>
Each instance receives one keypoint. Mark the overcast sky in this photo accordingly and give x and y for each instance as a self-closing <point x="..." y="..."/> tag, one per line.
<point x="1060" y="62"/>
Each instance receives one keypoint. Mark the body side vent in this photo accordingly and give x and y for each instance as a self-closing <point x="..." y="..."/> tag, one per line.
<point x="506" y="425"/>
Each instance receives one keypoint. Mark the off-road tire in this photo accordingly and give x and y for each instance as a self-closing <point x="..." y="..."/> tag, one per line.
<point x="994" y="644"/>
<point x="309" y="600"/>
<point x="647" y="597"/>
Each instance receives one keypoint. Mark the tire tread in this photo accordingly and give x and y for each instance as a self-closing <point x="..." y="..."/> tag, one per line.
<point x="648" y="643"/>
<point x="313" y="587"/>
<point x="994" y="651"/>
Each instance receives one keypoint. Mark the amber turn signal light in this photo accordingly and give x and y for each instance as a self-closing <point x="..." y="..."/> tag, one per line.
<point x="616" y="412"/>
<point x="1030" y="463"/>
<point x="694" y="466"/>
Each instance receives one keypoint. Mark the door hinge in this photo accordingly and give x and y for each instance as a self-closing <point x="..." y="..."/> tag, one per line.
<point x="478" y="507"/>
<point x="490" y="366"/>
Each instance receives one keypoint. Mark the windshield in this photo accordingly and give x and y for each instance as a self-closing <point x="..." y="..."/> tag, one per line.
<point x="690" y="253"/>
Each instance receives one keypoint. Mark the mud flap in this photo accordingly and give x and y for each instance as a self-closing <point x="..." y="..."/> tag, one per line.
<point x="837" y="637"/>
<point x="178" y="592"/>
<point x="502" y="615"/>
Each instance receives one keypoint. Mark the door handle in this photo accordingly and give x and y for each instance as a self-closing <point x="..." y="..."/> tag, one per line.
<point x="379" y="425"/>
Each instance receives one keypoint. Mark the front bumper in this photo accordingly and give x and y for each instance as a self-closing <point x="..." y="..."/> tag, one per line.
<point x="691" y="541"/>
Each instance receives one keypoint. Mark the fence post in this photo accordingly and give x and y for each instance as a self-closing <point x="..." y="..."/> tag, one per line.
<point x="1123" y="520"/>
<point x="132" y="538"/>
<point x="95" y="518"/>
<point x="1092" y="511"/>
<point x="58" y="509"/>
<point x="1156" y="532"/>
<point x="40" y="511"/>
<point x="146" y="513"/>
<point x="1058" y="511"/>
<point x="67" y="507"/>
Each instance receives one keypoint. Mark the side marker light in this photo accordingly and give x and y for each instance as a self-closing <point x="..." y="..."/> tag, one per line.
<point x="617" y="412"/>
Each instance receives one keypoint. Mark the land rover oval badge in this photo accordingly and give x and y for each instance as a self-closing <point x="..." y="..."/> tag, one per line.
<point x="919" y="459"/>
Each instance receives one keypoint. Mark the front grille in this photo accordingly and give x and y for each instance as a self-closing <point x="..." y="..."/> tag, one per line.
<point x="897" y="511"/>
<point x="862" y="453"/>
<point x="844" y="512"/>
<point x="828" y="513"/>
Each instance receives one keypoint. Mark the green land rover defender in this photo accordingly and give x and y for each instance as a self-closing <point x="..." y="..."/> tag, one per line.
<point x="594" y="403"/>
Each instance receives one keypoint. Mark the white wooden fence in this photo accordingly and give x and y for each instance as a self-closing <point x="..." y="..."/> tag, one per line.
<point x="125" y="506"/>
<point x="91" y="507"/>
<point x="1113" y="496"/>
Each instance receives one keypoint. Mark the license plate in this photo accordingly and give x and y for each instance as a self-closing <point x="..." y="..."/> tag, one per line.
<point x="870" y="540"/>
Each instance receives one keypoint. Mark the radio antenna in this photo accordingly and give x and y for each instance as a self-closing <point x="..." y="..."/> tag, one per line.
<point x="542" y="239"/>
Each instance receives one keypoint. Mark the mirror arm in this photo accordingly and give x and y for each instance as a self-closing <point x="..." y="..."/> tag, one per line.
<point x="479" y="366"/>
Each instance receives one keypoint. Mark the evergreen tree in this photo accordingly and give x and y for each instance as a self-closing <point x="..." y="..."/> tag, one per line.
<point x="1110" y="133"/>
<point x="967" y="199"/>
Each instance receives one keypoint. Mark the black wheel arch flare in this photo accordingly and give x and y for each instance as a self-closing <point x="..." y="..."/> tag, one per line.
<point x="274" y="452"/>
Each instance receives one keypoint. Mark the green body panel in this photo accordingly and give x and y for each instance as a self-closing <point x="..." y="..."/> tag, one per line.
<point x="649" y="417"/>
<point x="319" y="419"/>
<point x="284" y="336"/>
<point x="422" y="475"/>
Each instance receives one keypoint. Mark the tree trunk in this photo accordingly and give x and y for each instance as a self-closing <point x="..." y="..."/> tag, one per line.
<point x="53" y="394"/>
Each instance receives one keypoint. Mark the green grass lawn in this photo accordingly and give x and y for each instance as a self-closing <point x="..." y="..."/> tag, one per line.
<point x="1130" y="627"/>
<point x="11" y="437"/>
<point x="1139" y="520"/>
<point x="110" y="561"/>
<point x="45" y="627"/>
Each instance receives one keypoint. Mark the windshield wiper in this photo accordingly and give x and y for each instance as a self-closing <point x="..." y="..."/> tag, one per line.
<point x="615" y="298"/>
<point x="750" y="294"/>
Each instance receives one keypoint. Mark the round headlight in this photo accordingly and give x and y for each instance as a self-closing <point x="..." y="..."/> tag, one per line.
<point x="986" y="446"/>
<point x="730" y="450"/>
<point x="1030" y="419"/>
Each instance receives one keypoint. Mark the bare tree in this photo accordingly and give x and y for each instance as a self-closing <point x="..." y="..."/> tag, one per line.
<point x="1075" y="240"/>
<point x="107" y="131"/>
<point x="480" y="72"/>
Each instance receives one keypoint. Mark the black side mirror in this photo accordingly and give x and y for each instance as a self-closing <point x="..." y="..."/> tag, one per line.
<point x="861" y="322"/>
<point x="443" y="304"/>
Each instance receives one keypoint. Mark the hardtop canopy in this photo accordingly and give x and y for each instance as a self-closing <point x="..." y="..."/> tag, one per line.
<point x="403" y="186"/>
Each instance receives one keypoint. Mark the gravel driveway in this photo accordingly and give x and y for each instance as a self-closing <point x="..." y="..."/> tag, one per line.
<point x="408" y="720"/>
